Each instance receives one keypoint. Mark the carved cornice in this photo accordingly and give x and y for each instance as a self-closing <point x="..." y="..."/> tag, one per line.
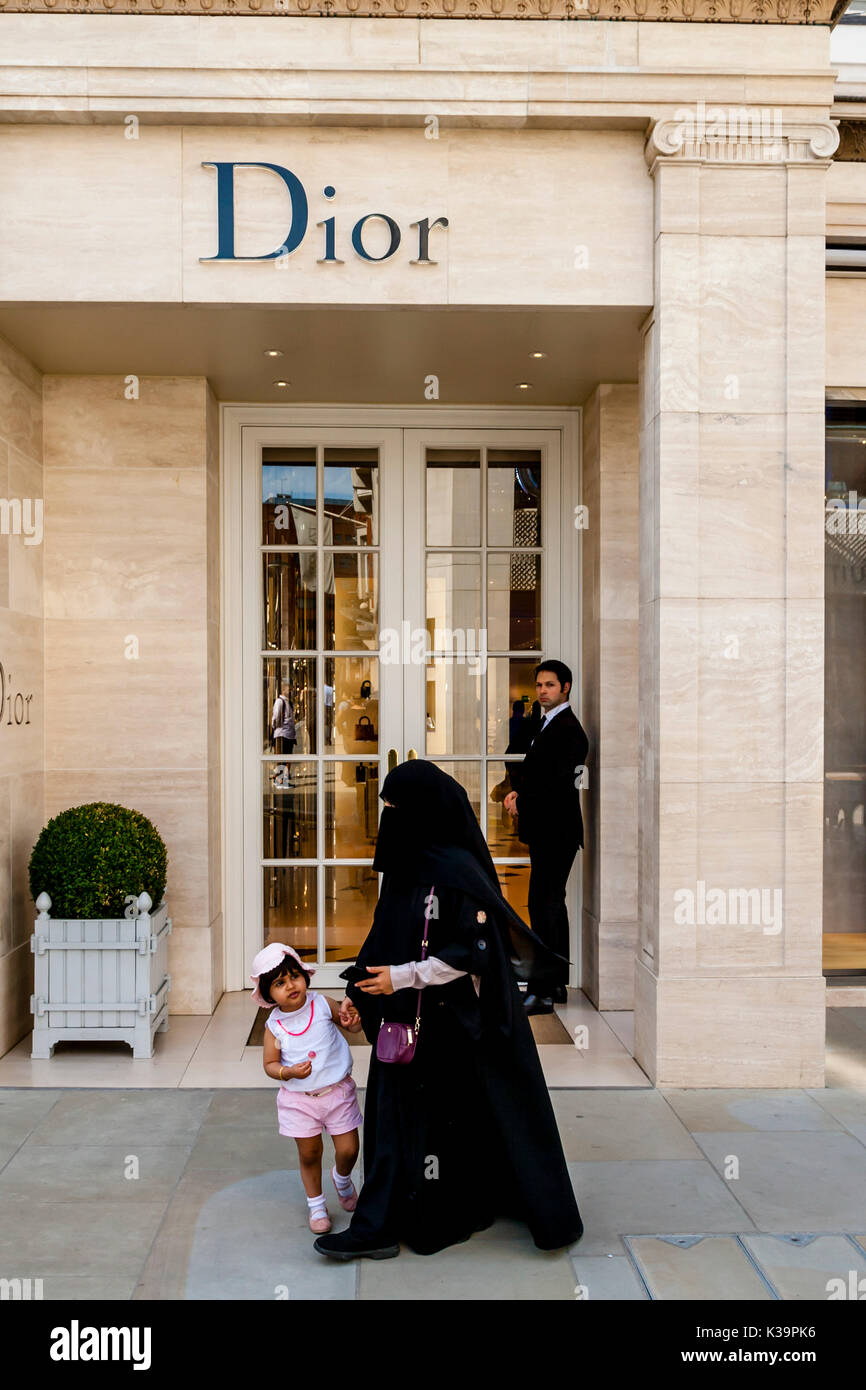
<point x="740" y="135"/>
<point x="678" y="11"/>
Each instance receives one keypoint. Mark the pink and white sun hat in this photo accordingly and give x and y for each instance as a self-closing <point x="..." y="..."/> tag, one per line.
<point x="268" y="959"/>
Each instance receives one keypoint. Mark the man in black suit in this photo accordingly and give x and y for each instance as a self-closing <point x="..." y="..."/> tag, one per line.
<point x="546" y="802"/>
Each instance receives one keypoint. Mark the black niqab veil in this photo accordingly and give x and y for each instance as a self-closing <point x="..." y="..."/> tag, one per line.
<point x="430" y="809"/>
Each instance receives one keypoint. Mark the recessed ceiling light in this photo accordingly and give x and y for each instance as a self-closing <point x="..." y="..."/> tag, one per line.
<point x="523" y="385"/>
<point x="281" y="383"/>
<point x="273" y="352"/>
<point x="538" y="354"/>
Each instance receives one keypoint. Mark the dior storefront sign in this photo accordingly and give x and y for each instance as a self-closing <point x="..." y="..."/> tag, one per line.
<point x="374" y="237"/>
<point x="14" y="705"/>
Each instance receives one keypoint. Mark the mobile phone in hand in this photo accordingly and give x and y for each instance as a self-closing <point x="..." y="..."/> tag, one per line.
<point x="354" y="973"/>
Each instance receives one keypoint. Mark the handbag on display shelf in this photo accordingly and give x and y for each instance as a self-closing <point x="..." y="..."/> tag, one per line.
<point x="396" y="1042"/>
<point x="364" y="730"/>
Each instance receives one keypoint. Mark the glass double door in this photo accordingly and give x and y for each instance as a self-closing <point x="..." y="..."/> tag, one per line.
<point x="400" y="587"/>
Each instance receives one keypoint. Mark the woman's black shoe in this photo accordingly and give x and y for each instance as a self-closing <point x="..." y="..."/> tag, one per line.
<point x="345" y="1246"/>
<point x="560" y="995"/>
<point x="537" y="1004"/>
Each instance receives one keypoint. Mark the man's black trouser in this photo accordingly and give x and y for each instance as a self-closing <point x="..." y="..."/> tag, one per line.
<point x="551" y="864"/>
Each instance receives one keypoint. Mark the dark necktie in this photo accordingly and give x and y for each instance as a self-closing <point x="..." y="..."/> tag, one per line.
<point x="541" y="727"/>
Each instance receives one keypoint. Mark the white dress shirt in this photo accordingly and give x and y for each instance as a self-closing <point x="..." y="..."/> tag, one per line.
<point x="418" y="974"/>
<point x="551" y="714"/>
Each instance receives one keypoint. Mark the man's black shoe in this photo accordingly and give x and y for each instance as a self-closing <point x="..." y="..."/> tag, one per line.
<point x="537" y="1004"/>
<point x="344" y="1246"/>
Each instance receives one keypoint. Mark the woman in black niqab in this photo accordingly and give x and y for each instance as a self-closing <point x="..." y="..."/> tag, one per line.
<point x="465" y="1132"/>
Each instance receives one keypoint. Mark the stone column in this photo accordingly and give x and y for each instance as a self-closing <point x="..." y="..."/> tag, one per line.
<point x="609" y="696"/>
<point x="728" y="985"/>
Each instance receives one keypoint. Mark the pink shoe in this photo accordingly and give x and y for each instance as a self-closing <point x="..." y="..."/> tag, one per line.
<point x="349" y="1202"/>
<point x="320" y="1224"/>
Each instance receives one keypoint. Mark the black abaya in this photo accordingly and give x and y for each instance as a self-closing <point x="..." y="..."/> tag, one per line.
<point x="466" y="1131"/>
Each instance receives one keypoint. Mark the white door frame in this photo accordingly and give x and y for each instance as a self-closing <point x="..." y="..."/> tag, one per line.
<point x="243" y="427"/>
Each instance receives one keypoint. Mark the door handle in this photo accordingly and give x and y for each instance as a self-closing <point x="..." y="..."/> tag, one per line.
<point x="392" y="759"/>
<point x="411" y="754"/>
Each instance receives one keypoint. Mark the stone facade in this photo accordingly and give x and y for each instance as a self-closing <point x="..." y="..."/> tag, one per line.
<point x="575" y="166"/>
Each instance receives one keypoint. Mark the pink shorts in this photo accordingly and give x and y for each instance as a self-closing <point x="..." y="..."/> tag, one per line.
<point x="304" y="1117"/>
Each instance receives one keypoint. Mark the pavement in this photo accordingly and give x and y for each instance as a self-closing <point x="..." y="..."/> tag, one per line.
<point x="192" y="1194"/>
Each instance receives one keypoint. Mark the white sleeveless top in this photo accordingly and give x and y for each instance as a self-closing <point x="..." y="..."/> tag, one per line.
<point x="311" y="1029"/>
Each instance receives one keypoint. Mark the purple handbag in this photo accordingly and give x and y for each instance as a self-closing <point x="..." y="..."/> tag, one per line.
<point x="396" y="1042"/>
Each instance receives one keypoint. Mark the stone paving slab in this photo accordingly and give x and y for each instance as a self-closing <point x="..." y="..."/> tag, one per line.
<point x="94" y="1174"/>
<point x="599" y="1125"/>
<point x="97" y="1238"/>
<point x="652" y="1196"/>
<point x="500" y="1263"/>
<point x="20" y="1113"/>
<point x="252" y="1241"/>
<point x="708" y="1268"/>
<point x="846" y="1105"/>
<point x="804" y="1266"/>
<point x="608" y="1277"/>
<point x="239" y="1150"/>
<point x="819" y="1180"/>
<point x="123" y="1117"/>
<point x="730" y="1110"/>
<point x="88" y="1288"/>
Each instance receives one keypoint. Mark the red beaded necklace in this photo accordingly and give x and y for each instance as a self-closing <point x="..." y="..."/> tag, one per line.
<point x="301" y="1030"/>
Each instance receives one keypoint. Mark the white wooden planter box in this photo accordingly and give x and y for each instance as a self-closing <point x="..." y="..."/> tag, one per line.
<point x="96" y="980"/>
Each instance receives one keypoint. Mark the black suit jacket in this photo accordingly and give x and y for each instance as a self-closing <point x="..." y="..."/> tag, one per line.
<point x="548" y="801"/>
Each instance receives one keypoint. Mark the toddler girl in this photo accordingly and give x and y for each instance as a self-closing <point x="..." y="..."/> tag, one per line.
<point x="311" y="1059"/>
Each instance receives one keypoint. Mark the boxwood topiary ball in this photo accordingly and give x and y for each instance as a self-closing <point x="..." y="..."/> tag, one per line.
<point x="91" y="858"/>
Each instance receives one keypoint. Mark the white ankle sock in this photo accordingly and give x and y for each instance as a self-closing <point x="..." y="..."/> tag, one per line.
<point x="343" y="1185"/>
<point x="317" y="1205"/>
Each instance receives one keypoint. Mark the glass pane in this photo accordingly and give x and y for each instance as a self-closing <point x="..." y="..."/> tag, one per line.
<point x="289" y="704"/>
<point x="468" y="774"/>
<point x="513" y="497"/>
<point x="351" y="601"/>
<point x="289" y="496"/>
<point x="514" y="881"/>
<point x="514" y="602"/>
<point x="351" y="809"/>
<point x="351" y="497"/>
<point x="453" y="497"/>
<point x="289" y="898"/>
<point x="454" y="602"/>
<point x="351" y="894"/>
<point x="289" y="591"/>
<point x="510" y="697"/>
<point x="288" y="810"/>
<point x="501" y="832"/>
<point x="453" y="709"/>
<point x="351" y="704"/>
<point x="844" y="684"/>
